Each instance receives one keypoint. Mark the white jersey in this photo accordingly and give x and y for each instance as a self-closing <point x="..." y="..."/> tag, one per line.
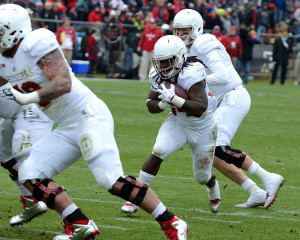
<point x="8" y="108"/>
<point x="25" y="75"/>
<point x="221" y="75"/>
<point x="190" y="75"/>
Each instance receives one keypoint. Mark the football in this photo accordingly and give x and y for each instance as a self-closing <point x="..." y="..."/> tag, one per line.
<point x="179" y="91"/>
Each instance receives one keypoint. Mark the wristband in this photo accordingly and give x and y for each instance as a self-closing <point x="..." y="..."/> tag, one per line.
<point x="177" y="101"/>
<point x="24" y="99"/>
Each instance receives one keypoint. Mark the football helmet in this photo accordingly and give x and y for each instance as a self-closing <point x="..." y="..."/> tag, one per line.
<point x="15" y="23"/>
<point x="168" y="56"/>
<point x="188" y="18"/>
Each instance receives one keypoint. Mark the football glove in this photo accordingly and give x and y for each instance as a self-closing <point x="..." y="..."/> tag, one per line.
<point x="168" y="95"/>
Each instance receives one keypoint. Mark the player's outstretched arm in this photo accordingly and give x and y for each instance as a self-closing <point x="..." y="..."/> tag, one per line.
<point x="57" y="71"/>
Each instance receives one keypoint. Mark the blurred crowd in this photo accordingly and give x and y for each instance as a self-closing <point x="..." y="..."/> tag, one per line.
<point x="142" y="22"/>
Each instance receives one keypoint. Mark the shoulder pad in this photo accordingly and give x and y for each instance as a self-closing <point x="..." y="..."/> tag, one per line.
<point x="206" y="42"/>
<point x="195" y="71"/>
<point x="39" y="43"/>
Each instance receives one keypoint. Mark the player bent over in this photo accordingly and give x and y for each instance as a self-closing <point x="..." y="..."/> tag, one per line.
<point x="85" y="128"/>
<point x="191" y="120"/>
<point x="233" y="105"/>
<point x="20" y="127"/>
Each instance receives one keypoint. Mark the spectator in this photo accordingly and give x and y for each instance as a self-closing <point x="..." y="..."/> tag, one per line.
<point x="242" y="14"/>
<point x="66" y="38"/>
<point x="217" y="33"/>
<point x="233" y="45"/>
<point x="138" y="20"/>
<point x="72" y="13"/>
<point x="150" y="36"/>
<point x="47" y="13"/>
<point x="82" y="8"/>
<point x="58" y="14"/>
<point x="226" y="23"/>
<point x="95" y="15"/>
<point x="92" y="52"/>
<point x="296" y="17"/>
<point x="244" y="61"/>
<point x="160" y="11"/>
<point x="263" y="21"/>
<point x="251" y="15"/>
<point x="175" y="8"/>
<point x="132" y="41"/>
<point x="280" y="10"/>
<point x="234" y="19"/>
<point x="212" y="19"/>
<point x="84" y="43"/>
<point x="281" y="50"/>
<point x="112" y="30"/>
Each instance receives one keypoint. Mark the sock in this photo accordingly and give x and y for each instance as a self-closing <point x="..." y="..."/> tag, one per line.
<point x="164" y="217"/>
<point x="256" y="170"/>
<point x="146" y="177"/>
<point x="159" y="210"/>
<point x="68" y="210"/>
<point x="76" y="216"/>
<point x="249" y="186"/>
<point x="214" y="192"/>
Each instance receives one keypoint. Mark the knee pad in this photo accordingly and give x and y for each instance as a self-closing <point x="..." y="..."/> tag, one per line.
<point x="21" y="143"/>
<point x="129" y="184"/>
<point x="41" y="188"/>
<point x="230" y="155"/>
<point x="160" y="150"/>
<point x="9" y="166"/>
<point x="202" y="177"/>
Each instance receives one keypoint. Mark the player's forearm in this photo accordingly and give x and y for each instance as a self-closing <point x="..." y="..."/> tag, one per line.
<point x="194" y="108"/>
<point x="56" y="88"/>
<point x="153" y="106"/>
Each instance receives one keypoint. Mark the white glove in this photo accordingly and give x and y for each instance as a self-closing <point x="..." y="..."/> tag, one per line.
<point x="163" y="105"/>
<point x="166" y="94"/>
<point x="26" y="98"/>
<point x="169" y="96"/>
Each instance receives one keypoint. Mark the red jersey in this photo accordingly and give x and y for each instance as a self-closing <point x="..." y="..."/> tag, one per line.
<point x="149" y="38"/>
<point x="233" y="45"/>
<point x="95" y="17"/>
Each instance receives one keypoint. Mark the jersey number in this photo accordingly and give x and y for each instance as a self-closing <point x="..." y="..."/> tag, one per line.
<point x="29" y="87"/>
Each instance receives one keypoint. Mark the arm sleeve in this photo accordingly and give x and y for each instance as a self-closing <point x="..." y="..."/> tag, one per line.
<point x="218" y="75"/>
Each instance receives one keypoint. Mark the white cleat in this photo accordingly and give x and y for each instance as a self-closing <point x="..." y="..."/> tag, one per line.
<point x="129" y="208"/>
<point x="257" y="198"/>
<point x="31" y="209"/>
<point x="79" y="230"/>
<point x="272" y="185"/>
<point x="214" y="198"/>
<point x="175" y="229"/>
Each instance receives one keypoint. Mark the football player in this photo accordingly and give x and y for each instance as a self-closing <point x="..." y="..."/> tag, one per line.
<point x="191" y="120"/>
<point x="35" y="66"/>
<point x="233" y="105"/>
<point x="20" y="127"/>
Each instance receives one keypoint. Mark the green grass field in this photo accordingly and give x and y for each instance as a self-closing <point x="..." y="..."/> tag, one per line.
<point x="270" y="134"/>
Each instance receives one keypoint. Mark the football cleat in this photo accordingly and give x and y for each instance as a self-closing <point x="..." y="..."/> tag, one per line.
<point x="257" y="198"/>
<point x="214" y="198"/>
<point x="79" y="230"/>
<point x="31" y="209"/>
<point x="175" y="229"/>
<point x="129" y="208"/>
<point x="272" y="185"/>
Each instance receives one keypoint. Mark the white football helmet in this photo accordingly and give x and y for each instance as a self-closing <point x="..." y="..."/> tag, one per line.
<point x="168" y="56"/>
<point x="15" y="23"/>
<point x="188" y="18"/>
